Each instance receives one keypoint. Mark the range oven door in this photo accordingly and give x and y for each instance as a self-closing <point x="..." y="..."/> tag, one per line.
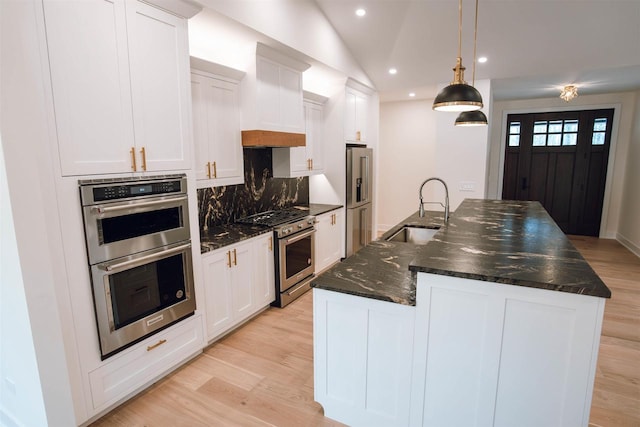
<point x="117" y="229"/>
<point x="142" y="293"/>
<point x="296" y="258"/>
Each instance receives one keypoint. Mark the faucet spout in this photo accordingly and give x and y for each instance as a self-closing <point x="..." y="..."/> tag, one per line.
<point x="446" y="198"/>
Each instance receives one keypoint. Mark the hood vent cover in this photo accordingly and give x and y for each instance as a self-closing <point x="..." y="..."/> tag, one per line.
<point x="267" y="138"/>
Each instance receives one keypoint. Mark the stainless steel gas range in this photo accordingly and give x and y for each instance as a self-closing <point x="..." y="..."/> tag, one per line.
<point x="294" y="234"/>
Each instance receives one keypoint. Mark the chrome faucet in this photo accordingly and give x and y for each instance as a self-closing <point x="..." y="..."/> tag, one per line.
<point x="446" y="199"/>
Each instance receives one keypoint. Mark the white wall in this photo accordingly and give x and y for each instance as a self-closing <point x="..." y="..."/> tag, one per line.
<point x="624" y="104"/>
<point x="629" y="222"/>
<point x="417" y="143"/>
<point x="33" y="275"/>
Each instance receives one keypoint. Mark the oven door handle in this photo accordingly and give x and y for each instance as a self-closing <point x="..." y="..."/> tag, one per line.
<point x="301" y="236"/>
<point x="143" y="259"/>
<point x="104" y="209"/>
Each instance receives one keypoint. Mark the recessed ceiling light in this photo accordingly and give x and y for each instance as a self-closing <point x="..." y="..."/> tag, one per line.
<point x="361" y="12"/>
<point x="482" y="59"/>
<point x="393" y="71"/>
<point x="412" y="95"/>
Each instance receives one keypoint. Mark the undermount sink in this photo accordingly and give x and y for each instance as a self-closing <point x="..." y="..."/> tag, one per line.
<point x="415" y="235"/>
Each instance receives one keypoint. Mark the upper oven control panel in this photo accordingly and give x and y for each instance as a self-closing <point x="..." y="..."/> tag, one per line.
<point x="95" y="191"/>
<point x="294" y="227"/>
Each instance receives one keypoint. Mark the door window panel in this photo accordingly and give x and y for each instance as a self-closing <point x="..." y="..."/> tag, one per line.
<point x="514" y="134"/>
<point x="599" y="131"/>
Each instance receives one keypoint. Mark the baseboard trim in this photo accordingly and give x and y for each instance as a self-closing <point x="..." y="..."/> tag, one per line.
<point x="628" y="244"/>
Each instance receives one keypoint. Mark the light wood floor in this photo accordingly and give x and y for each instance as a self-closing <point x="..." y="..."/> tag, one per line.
<point x="262" y="374"/>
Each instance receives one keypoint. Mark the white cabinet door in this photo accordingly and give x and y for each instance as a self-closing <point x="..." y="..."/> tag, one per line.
<point x="216" y="124"/>
<point x="314" y="122"/>
<point x="89" y="62"/>
<point x="242" y="280"/>
<point x="328" y="247"/>
<point x="217" y="286"/>
<point x="356" y="115"/>
<point x="279" y="97"/>
<point x="159" y="82"/>
<point x="264" y="280"/>
<point x="308" y="160"/>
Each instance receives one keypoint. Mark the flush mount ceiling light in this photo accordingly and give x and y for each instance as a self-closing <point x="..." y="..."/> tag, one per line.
<point x="569" y="92"/>
<point x="393" y="71"/>
<point x="476" y="117"/>
<point x="361" y="12"/>
<point x="458" y="96"/>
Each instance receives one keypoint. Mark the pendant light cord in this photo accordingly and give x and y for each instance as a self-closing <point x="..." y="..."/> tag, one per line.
<point x="475" y="42"/>
<point x="460" y="29"/>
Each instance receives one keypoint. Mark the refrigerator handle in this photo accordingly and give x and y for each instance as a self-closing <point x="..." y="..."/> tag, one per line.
<point x="364" y="173"/>
<point x="363" y="227"/>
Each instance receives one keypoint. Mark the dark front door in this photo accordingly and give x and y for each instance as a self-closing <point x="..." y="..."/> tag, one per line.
<point x="560" y="159"/>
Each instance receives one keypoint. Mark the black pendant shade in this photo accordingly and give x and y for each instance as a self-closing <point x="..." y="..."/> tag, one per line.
<point x="471" y="118"/>
<point x="458" y="97"/>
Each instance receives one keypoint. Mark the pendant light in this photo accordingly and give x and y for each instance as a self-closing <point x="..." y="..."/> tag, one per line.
<point x="477" y="117"/>
<point x="458" y="96"/>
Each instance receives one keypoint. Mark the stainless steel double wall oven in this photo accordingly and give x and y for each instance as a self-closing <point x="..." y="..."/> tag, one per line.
<point x="139" y="249"/>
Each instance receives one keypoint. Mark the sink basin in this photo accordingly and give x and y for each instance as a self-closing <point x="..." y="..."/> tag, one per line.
<point x="415" y="235"/>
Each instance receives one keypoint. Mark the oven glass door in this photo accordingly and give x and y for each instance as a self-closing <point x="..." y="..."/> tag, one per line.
<point x="140" y="294"/>
<point x="296" y="258"/>
<point x="114" y="230"/>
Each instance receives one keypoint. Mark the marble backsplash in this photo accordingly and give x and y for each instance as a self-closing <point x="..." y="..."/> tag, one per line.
<point x="260" y="192"/>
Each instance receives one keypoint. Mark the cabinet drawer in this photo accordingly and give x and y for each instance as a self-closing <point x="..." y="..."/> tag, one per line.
<point x="145" y="361"/>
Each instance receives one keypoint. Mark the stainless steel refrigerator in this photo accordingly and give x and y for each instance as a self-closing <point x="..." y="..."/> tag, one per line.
<point x="359" y="198"/>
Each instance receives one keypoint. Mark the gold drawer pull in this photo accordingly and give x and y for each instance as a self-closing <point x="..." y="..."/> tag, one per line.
<point x="215" y="170"/>
<point x="133" y="158"/>
<point x="235" y="257"/>
<point x="229" y="259"/>
<point x="144" y="158"/>
<point x="208" y="169"/>
<point x="158" y="344"/>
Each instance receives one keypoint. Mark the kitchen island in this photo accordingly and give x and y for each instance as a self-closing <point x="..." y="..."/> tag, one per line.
<point x="495" y="321"/>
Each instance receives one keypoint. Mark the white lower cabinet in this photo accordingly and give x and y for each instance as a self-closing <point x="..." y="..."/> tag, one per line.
<point x="238" y="281"/>
<point x="362" y="359"/>
<point x="328" y="249"/>
<point x="129" y="371"/>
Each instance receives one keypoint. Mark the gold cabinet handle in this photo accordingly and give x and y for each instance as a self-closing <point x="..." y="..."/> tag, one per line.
<point x="133" y="158"/>
<point x="271" y="244"/>
<point x="208" y="169"/>
<point x="358" y="135"/>
<point x="235" y="258"/>
<point x="229" y="259"/>
<point x="215" y="170"/>
<point x="144" y="159"/>
<point x="311" y="168"/>
<point x="158" y="344"/>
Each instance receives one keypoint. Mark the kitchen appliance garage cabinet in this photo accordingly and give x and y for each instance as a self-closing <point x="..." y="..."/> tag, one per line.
<point x="238" y="282"/>
<point x="120" y="83"/>
<point x="216" y="124"/>
<point x="293" y="162"/>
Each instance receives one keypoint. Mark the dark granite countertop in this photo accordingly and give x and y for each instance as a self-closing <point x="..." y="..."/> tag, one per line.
<point x="514" y="243"/>
<point x="228" y="234"/>
<point x="319" y="209"/>
<point x="380" y="270"/>
<point x="509" y="242"/>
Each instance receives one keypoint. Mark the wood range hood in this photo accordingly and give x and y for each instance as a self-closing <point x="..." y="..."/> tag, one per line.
<point x="267" y="138"/>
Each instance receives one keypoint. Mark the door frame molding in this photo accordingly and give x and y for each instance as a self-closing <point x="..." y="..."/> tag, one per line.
<point x="606" y="201"/>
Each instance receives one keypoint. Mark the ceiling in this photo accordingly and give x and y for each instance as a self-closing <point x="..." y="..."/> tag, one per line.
<point x="534" y="47"/>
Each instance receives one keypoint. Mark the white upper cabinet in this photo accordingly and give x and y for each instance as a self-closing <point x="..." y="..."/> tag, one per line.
<point x="216" y="124"/>
<point x="119" y="74"/>
<point x="272" y="93"/>
<point x="308" y="160"/>
<point x="356" y="115"/>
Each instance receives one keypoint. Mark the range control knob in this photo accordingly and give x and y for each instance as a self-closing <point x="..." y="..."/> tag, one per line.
<point x="300" y="225"/>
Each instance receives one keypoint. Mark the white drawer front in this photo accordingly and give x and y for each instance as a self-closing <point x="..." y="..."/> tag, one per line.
<point x="145" y="361"/>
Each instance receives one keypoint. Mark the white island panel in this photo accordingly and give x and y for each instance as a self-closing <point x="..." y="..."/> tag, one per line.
<point x="362" y="359"/>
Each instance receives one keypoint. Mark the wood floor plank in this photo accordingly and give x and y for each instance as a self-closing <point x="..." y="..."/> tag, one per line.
<point x="262" y="374"/>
